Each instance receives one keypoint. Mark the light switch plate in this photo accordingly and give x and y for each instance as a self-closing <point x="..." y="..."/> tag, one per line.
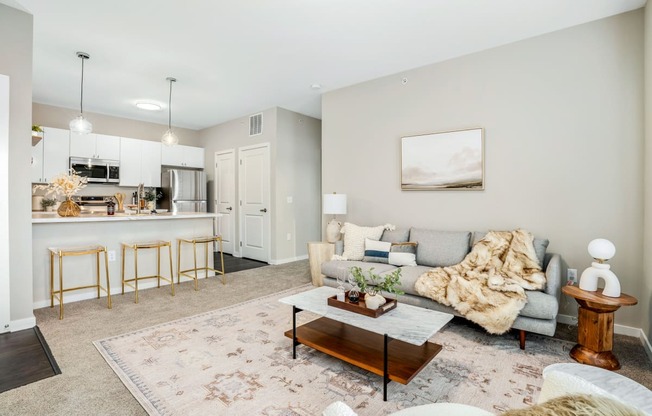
<point x="111" y="254"/>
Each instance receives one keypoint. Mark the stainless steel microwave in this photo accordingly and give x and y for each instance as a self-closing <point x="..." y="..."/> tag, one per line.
<point x="97" y="170"/>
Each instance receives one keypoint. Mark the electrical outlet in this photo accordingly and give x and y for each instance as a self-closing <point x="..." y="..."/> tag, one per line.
<point x="111" y="254"/>
<point x="572" y="275"/>
<point x="289" y="199"/>
<point x="289" y="236"/>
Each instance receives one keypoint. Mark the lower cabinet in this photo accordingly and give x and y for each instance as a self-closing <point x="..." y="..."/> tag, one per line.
<point x="140" y="162"/>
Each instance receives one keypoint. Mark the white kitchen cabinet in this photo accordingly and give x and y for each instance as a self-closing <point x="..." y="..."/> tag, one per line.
<point x="95" y="146"/>
<point x="184" y="156"/>
<point x="50" y="156"/>
<point x="140" y="162"/>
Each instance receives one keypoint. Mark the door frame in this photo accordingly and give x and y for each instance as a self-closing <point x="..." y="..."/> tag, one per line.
<point x="240" y="192"/>
<point x="236" y="212"/>
<point x="5" y="296"/>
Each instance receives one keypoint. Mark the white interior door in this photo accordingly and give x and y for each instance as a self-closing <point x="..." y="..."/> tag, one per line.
<point x="225" y="202"/>
<point x="254" y="184"/>
<point x="5" y="317"/>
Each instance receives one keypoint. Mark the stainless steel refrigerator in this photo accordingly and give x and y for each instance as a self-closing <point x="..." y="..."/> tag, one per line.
<point x="183" y="190"/>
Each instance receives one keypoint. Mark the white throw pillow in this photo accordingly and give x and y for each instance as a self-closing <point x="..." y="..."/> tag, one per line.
<point x="354" y="237"/>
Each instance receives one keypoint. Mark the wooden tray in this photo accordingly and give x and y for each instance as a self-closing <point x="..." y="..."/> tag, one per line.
<point x="361" y="307"/>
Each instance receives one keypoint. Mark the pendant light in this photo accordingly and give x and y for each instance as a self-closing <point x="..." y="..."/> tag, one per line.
<point x="169" y="138"/>
<point x="80" y="125"/>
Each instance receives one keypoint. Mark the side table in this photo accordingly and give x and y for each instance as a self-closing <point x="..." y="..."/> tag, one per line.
<point x="319" y="252"/>
<point x="595" y="326"/>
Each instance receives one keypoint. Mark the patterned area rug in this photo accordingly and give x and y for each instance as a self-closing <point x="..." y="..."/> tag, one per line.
<point x="237" y="361"/>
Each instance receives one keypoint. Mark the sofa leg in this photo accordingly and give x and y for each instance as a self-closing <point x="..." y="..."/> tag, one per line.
<point x="521" y="338"/>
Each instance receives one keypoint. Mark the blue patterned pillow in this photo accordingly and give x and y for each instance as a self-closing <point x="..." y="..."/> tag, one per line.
<point x="376" y="251"/>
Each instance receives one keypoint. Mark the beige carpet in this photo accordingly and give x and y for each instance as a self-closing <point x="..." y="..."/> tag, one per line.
<point x="237" y="361"/>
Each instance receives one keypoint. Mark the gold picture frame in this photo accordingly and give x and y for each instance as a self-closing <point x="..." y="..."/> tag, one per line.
<point x="444" y="161"/>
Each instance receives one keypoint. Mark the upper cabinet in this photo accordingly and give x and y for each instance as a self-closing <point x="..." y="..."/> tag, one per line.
<point x="140" y="162"/>
<point x="95" y="146"/>
<point x="50" y="155"/>
<point x="184" y="156"/>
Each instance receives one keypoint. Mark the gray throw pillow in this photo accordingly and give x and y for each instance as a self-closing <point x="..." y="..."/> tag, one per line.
<point x="400" y="235"/>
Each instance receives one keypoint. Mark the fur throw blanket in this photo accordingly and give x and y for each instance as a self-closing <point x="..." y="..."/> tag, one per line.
<point x="488" y="286"/>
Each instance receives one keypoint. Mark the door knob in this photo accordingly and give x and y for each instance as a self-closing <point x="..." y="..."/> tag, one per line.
<point x="229" y="208"/>
<point x="263" y="210"/>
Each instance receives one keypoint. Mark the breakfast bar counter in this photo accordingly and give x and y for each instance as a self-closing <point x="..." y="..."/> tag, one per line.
<point x="51" y="230"/>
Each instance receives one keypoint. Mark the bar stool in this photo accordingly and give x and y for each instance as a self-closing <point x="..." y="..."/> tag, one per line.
<point x="194" y="241"/>
<point x="142" y="246"/>
<point x="62" y="252"/>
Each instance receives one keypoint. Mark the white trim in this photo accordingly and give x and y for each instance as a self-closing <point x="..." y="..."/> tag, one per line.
<point x="288" y="260"/>
<point x="5" y="275"/>
<point x="618" y="329"/>
<point x="21" y="324"/>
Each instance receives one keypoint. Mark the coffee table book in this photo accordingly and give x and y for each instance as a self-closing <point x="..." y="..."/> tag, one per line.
<point x="361" y="307"/>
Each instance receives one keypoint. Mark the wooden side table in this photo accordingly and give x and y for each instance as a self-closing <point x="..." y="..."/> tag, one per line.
<point x="595" y="326"/>
<point x="319" y="252"/>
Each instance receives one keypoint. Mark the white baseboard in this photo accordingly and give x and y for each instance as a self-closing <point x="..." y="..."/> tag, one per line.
<point x="290" y="260"/>
<point x="21" y="324"/>
<point x="618" y="329"/>
<point x="77" y="297"/>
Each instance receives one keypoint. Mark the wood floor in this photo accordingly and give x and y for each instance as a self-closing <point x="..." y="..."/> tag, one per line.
<point x="237" y="264"/>
<point x="24" y="358"/>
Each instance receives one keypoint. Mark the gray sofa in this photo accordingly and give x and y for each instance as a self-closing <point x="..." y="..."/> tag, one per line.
<point x="441" y="249"/>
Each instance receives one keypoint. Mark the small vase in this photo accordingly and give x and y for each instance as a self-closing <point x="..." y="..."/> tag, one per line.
<point x="69" y="208"/>
<point x="374" y="301"/>
<point x="151" y="205"/>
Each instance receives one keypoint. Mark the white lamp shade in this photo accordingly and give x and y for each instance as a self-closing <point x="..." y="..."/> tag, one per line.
<point x="602" y="249"/>
<point x="334" y="204"/>
<point x="80" y="125"/>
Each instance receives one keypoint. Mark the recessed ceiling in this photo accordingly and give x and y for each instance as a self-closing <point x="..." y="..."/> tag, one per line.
<point x="234" y="58"/>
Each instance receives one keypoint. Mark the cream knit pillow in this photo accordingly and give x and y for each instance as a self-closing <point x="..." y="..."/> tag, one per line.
<point x="354" y="237"/>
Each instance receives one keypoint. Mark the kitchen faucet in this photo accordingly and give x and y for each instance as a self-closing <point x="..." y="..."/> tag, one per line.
<point x="139" y="196"/>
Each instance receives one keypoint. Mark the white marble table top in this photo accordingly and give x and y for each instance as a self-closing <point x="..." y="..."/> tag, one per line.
<point x="406" y="323"/>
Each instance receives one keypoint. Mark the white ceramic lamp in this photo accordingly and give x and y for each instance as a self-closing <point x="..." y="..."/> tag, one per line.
<point x="334" y="204"/>
<point x="601" y="250"/>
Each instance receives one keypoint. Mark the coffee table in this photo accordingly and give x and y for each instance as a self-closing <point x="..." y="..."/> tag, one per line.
<point x="394" y="345"/>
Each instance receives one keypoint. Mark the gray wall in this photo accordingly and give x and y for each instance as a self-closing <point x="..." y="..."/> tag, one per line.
<point x="16" y="62"/>
<point x="298" y="175"/>
<point x="563" y="120"/>
<point x="645" y="296"/>
<point x="59" y="117"/>
<point x="295" y="171"/>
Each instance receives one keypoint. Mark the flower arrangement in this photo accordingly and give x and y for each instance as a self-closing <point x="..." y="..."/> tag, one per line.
<point x="388" y="284"/>
<point x="151" y="195"/>
<point x="64" y="184"/>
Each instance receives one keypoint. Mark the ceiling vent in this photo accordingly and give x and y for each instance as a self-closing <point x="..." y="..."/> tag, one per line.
<point x="256" y="124"/>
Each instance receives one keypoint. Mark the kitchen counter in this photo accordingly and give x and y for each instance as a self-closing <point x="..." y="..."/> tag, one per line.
<point x="53" y="217"/>
<point x="51" y="230"/>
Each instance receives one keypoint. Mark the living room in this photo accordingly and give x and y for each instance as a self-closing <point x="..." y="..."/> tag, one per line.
<point x="566" y="156"/>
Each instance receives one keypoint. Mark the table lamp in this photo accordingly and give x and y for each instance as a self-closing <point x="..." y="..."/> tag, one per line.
<point x="601" y="250"/>
<point x="334" y="204"/>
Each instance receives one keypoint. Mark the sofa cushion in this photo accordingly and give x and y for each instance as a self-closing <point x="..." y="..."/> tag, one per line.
<point x="340" y="269"/>
<point x="400" y="235"/>
<point x="403" y="254"/>
<point x="540" y="305"/>
<point x="540" y="245"/>
<point x="409" y="276"/>
<point x="354" y="236"/>
<point x="376" y="251"/>
<point x="440" y="248"/>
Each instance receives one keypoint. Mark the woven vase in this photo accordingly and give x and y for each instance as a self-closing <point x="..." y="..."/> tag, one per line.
<point x="68" y="208"/>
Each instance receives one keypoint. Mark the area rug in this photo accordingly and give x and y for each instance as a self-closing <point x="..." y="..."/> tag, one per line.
<point x="236" y="361"/>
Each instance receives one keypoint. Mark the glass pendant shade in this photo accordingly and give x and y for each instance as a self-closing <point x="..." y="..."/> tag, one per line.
<point x="169" y="138"/>
<point x="80" y="125"/>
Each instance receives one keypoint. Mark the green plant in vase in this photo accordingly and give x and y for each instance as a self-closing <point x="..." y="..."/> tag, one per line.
<point x="48" y="204"/>
<point x="373" y="284"/>
<point x="151" y="196"/>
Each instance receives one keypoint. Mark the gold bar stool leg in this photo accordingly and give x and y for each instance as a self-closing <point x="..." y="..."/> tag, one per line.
<point x="51" y="279"/>
<point x="158" y="266"/>
<point x="123" y="269"/>
<point x="136" y="272"/>
<point x="97" y="271"/>
<point x="194" y="253"/>
<point x="171" y="272"/>
<point x="178" y="261"/>
<point x="108" y="281"/>
<point x="222" y="260"/>
<point x="60" y="286"/>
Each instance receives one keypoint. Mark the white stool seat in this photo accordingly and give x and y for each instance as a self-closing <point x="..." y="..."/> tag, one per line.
<point x="564" y="379"/>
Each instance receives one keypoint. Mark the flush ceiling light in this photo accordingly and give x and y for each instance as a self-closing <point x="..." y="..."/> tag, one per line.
<point x="79" y="124"/>
<point x="143" y="105"/>
<point x="169" y="138"/>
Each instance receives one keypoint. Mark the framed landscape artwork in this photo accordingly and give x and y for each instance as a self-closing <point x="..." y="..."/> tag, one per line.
<point x="452" y="160"/>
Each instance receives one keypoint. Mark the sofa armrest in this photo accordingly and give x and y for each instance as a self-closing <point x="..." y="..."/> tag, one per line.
<point x="553" y="275"/>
